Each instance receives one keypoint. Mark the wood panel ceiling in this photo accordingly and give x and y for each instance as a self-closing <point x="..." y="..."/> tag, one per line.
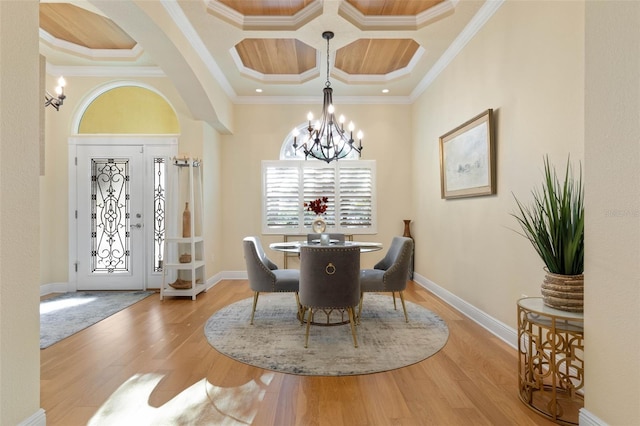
<point x="274" y="42"/>
<point x="267" y="7"/>
<point x="78" y="26"/>
<point x="375" y="56"/>
<point x="393" y="7"/>
<point x="276" y="55"/>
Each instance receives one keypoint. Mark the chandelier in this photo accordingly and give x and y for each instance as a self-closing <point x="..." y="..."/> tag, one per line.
<point x="326" y="139"/>
<point x="56" y="101"/>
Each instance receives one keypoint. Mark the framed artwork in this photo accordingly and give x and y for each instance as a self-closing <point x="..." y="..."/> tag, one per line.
<point x="467" y="159"/>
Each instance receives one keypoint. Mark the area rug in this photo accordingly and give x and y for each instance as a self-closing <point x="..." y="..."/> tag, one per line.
<point x="276" y="340"/>
<point x="64" y="315"/>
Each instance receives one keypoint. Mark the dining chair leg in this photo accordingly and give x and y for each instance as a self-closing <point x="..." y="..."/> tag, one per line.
<point x="255" y="302"/>
<point x="404" y="308"/>
<point x="306" y="337"/>
<point x="300" y="307"/>
<point x="360" y="308"/>
<point x="393" y="294"/>
<point x="353" y="326"/>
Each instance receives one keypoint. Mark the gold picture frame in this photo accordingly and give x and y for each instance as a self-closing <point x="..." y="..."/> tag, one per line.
<point x="467" y="159"/>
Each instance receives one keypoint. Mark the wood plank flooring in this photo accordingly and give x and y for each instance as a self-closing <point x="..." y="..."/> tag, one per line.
<point x="151" y="364"/>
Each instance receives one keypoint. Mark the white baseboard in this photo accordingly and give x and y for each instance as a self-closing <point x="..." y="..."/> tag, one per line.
<point x="46" y="289"/>
<point x="211" y="281"/>
<point x="585" y="418"/>
<point x="36" y="419"/>
<point x="235" y="275"/>
<point x="495" y="327"/>
<point x="53" y="288"/>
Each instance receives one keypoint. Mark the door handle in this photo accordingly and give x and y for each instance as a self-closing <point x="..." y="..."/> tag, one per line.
<point x="137" y="225"/>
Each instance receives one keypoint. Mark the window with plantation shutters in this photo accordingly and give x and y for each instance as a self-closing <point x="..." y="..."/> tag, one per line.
<point x="349" y="186"/>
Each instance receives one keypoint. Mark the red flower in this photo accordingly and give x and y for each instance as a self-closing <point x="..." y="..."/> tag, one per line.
<point x="318" y="206"/>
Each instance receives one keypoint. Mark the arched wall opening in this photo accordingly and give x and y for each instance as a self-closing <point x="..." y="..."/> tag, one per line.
<point x="126" y="108"/>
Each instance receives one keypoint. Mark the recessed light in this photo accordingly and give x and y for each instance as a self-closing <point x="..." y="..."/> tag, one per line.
<point x="259" y="90"/>
<point x="385" y="90"/>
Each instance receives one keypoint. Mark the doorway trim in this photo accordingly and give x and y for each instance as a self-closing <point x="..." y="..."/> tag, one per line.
<point x="97" y="140"/>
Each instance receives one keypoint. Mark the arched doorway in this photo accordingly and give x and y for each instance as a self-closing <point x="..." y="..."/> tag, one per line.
<point x="125" y="134"/>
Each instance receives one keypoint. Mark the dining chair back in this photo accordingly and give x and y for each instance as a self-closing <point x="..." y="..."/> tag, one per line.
<point x="329" y="279"/>
<point x="390" y="274"/>
<point x="264" y="275"/>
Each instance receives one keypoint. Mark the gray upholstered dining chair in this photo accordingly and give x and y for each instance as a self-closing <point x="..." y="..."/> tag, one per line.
<point x="390" y="274"/>
<point x="329" y="279"/>
<point x="264" y="275"/>
<point x="316" y="237"/>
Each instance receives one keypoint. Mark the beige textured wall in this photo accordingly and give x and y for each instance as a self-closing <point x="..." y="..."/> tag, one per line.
<point x="20" y="103"/>
<point x="527" y="64"/>
<point x="54" y="184"/>
<point x="260" y="131"/>
<point x="612" y="260"/>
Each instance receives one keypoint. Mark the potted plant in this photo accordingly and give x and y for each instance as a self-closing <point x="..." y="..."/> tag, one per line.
<point x="554" y="224"/>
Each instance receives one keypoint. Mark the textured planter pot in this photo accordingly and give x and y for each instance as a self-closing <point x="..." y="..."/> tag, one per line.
<point x="563" y="292"/>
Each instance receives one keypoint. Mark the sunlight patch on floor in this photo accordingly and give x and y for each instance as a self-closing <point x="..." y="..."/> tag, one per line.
<point x="55" y="305"/>
<point x="201" y="403"/>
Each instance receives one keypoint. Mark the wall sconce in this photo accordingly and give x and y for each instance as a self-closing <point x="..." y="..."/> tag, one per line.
<point x="57" y="101"/>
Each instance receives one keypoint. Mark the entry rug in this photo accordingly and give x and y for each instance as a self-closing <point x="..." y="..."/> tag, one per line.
<point x="64" y="315"/>
<point x="276" y="340"/>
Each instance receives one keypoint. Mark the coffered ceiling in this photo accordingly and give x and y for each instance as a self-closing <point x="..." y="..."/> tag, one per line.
<point x="272" y="45"/>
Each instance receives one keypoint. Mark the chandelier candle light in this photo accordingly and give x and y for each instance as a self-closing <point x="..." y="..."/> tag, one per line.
<point x="327" y="140"/>
<point x="58" y="100"/>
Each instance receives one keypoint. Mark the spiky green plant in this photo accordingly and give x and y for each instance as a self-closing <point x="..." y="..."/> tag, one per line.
<point x="554" y="221"/>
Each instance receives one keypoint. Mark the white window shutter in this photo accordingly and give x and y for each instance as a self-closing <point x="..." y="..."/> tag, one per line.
<point x="281" y="208"/>
<point x="349" y="185"/>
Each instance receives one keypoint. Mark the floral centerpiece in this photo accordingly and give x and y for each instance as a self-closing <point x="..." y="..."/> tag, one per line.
<point x="318" y="206"/>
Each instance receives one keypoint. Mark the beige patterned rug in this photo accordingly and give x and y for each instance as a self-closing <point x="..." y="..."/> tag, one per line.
<point x="276" y="340"/>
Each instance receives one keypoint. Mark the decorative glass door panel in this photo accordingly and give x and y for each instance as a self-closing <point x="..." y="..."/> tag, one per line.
<point x="110" y="216"/>
<point x="121" y="192"/>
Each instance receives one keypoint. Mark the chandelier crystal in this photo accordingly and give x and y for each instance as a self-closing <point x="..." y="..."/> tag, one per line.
<point x="327" y="139"/>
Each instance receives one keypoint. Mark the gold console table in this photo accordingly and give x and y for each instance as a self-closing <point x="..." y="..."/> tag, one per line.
<point x="551" y="360"/>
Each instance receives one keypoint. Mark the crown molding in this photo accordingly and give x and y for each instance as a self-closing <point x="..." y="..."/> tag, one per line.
<point x="475" y="24"/>
<point x="183" y="24"/>
<point x="86" y="52"/>
<point x="275" y="78"/>
<point x="398" y="22"/>
<point x="280" y="23"/>
<point x="308" y="100"/>
<point x="105" y="71"/>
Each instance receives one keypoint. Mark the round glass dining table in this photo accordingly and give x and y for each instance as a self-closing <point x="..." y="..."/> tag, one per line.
<point x="294" y="246"/>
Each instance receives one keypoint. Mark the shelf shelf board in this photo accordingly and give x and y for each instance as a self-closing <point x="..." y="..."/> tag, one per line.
<point x="191" y="265"/>
<point x="185" y="240"/>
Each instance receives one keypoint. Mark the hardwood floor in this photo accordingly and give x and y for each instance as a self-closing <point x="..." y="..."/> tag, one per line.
<point x="151" y="364"/>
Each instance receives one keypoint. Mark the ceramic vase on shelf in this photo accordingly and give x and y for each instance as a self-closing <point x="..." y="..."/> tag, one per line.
<point x="318" y="225"/>
<point x="186" y="221"/>
<point x="407" y="233"/>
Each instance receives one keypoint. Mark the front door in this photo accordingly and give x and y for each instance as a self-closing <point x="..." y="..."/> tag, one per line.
<point x="120" y="192"/>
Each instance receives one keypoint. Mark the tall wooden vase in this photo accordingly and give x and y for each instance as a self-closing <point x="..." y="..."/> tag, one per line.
<point x="186" y="221"/>
<point x="407" y="233"/>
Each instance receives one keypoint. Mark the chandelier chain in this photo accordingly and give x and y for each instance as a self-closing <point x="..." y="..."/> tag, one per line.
<point x="328" y="83"/>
